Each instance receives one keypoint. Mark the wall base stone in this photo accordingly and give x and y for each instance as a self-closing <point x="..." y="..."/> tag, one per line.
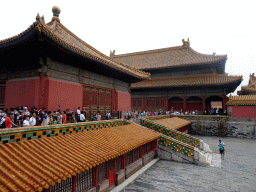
<point x="120" y="176"/>
<point x="245" y="129"/>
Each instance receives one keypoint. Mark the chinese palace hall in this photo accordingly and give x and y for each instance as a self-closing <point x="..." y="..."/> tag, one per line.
<point x="181" y="78"/>
<point x="48" y="66"/>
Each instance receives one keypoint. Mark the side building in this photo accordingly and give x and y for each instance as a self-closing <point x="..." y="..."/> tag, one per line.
<point x="47" y="65"/>
<point x="243" y="106"/>
<point x="181" y="78"/>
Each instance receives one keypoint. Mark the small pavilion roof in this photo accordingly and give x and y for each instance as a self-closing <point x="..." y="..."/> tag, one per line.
<point x="60" y="35"/>
<point x="188" y="80"/>
<point x="242" y="100"/>
<point x="250" y="88"/>
<point x="174" y="123"/>
<point x="36" y="164"/>
<point x="167" y="57"/>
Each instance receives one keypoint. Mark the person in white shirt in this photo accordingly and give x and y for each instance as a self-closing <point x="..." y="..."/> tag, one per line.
<point x="78" y="111"/>
<point x="82" y="117"/>
<point x="46" y="119"/>
<point x="27" y="113"/>
<point x="98" y="117"/>
<point x="2" y="120"/>
<point x="32" y="119"/>
<point x="26" y="122"/>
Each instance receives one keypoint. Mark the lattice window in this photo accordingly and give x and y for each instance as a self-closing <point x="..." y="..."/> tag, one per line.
<point x="64" y="186"/>
<point x="102" y="172"/>
<point x="118" y="163"/>
<point x="128" y="158"/>
<point x="144" y="150"/>
<point x="157" y="103"/>
<point x="84" y="181"/>
<point x="162" y="103"/>
<point x="139" y="103"/>
<point x="134" y="103"/>
<point x="136" y="154"/>
<point x="111" y="165"/>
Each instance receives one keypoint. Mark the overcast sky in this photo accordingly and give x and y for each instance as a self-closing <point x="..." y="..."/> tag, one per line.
<point x="224" y="27"/>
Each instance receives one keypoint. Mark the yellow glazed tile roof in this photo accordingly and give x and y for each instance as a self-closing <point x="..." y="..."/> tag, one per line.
<point x="188" y="80"/>
<point x="172" y="123"/>
<point x="36" y="164"/>
<point x="168" y="57"/>
<point x="242" y="100"/>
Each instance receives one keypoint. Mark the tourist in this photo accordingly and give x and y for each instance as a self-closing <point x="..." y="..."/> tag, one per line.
<point x="55" y="120"/>
<point x="2" y="124"/>
<point x="21" y="119"/>
<point x="73" y="118"/>
<point x="59" y="118"/>
<point x="108" y="116"/>
<point x="26" y="112"/>
<point x="46" y="119"/>
<point x="222" y="150"/>
<point x="58" y="110"/>
<point x="82" y="117"/>
<point x="78" y="111"/>
<point x="64" y="117"/>
<point x="8" y="121"/>
<point x="26" y="122"/>
<point x="32" y="119"/>
<point x="98" y="117"/>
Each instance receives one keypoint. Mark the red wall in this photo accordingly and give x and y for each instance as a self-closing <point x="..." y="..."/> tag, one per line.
<point x="243" y="111"/>
<point x="123" y="101"/>
<point x="22" y="93"/>
<point x="66" y="94"/>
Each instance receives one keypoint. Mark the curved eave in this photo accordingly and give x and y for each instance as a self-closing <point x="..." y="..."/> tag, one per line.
<point x="188" y="64"/>
<point x="61" y="43"/>
<point x="235" y="83"/>
<point x="29" y="34"/>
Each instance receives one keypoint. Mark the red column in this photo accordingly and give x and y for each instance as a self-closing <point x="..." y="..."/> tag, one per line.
<point x="184" y="104"/>
<point x="43" y="92"/>
<point x="141" y="151"/>
<point x="107" y="169"/>
<point x="203" y="100"/>
<point x="165" y="104"/>
<point x="143" y="104"/>
<point x="123" y="162"/>
<point x="132" y="155"/>
<point x="224" y="102"/>
<point x="95" y="175"/>
<point x="156" y="146"/>
<point x="74" y="184"/>
<point x="147" y="148"/>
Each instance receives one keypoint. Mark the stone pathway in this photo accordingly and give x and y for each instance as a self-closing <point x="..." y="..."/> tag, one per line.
<point x="237" y="171"/>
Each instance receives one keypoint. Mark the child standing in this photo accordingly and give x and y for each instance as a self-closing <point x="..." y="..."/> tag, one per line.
<point x="222" y="150"/>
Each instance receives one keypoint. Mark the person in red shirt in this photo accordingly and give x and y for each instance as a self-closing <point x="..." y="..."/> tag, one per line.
<point x="8" y="121"/>
<point x="64" y="117"/>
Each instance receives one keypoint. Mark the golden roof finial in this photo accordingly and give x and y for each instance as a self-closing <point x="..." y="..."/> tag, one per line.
<point x="56" y="11"/>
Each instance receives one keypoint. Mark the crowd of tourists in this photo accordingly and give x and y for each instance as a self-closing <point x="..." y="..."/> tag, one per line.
<point x="23" y="117"/>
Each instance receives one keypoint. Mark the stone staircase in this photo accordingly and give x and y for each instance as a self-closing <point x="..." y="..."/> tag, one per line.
<point x="182" y="147"/>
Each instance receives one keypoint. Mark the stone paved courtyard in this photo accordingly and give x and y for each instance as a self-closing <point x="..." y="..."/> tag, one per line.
<point x="237" y="172"/>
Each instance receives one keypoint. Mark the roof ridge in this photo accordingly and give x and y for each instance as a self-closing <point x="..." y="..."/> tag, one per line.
<point x="165" y="49"/>
<point x="95" y="50"/>
<point x="196" y="76"/>
<point x="149" y="51"/>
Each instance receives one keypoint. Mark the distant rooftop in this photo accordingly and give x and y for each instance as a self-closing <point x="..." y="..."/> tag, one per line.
<point x="167" y="57"/>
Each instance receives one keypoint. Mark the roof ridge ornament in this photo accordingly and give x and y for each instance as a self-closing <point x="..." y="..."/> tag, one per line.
<point x="186" y="44"/>
<point x="40" y="19"/>
<point x="112" y="53"/>
<point x="56" y="12"/>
